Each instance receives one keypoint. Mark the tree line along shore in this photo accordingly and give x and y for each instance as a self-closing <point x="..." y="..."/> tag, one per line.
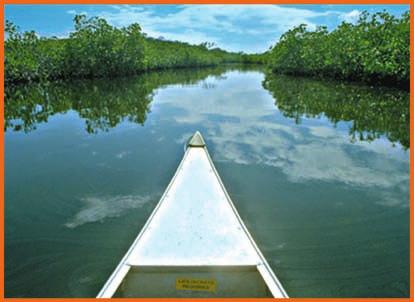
<point x="375" y="49"/>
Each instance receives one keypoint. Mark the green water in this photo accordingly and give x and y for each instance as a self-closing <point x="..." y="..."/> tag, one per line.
<point x="319" y="172"/>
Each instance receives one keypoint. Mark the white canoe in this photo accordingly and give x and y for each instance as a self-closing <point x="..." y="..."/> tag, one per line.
<point x="194" y="244"/>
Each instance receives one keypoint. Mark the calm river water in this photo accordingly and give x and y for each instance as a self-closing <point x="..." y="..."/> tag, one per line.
<point x="318" y="171"/>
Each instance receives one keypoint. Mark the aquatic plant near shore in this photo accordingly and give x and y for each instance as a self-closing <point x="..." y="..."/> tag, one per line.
<point x="97" y="49"/>
<point x="375" y="49"/>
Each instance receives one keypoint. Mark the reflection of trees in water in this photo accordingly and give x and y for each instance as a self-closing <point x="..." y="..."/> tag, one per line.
<point x="373" y="111"/>
<point x="103" y="103"/>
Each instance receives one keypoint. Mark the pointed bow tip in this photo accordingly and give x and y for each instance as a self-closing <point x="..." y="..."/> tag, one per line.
<point x="196" y="140"/>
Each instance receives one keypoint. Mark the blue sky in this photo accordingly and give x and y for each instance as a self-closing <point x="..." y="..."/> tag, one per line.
<point x="248" y="28"/>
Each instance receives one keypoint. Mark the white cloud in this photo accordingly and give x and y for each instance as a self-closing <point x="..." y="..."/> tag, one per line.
<point x="351" y="17"/>
<point x="75" y="12"/>
<point x="223" y="24"/>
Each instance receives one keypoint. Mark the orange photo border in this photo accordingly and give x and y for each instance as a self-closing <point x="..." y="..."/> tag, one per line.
<point x="355" y="2"/>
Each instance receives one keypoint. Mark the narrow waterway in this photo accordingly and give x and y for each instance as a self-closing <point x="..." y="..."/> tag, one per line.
<point x="319" y="172"/>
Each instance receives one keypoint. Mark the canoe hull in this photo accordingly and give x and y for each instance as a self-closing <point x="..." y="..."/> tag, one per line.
<point x="194" y="244"/>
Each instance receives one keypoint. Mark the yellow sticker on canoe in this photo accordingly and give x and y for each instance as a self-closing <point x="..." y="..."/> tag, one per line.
<point x="195" y="284"/>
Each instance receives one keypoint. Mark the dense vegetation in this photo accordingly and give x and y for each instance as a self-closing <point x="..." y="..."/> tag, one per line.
<point x="260" y="58"/>
<point x="372" y="111"/>
<point x="97" y="49"/>
<point x="375" y="49"/>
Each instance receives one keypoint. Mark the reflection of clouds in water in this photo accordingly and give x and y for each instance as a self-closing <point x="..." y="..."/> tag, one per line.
<point x="191" y="109"/>
<point x="321" y="131"/>
<point x="392" y="201"/>
<point x="98" y="208"/>
<point x="122" y="154"/>
<point x="239" y="124"/>
<point x="301" y="155"/>
<point x="182" y="140"/>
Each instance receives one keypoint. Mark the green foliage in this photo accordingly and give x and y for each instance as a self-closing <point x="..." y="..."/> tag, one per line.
<point x="97" y="49"/>
<point x="27" y="57"/>
<point x="372" y="111"/>
<point x="375" y="49"/>
<point x="167" y="54"/>
<point x="255" y="58"/>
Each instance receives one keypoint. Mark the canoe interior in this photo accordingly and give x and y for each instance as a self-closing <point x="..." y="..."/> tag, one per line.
<point x="194" y="244"/>
<point x="193" y="281"/>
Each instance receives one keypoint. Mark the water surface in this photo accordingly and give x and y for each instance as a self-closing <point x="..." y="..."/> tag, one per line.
<point x="318" y="171"/>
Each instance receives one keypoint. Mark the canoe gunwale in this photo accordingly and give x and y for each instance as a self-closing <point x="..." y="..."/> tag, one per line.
<point x="267" y="273"/>
<point x="111" y="285"/>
